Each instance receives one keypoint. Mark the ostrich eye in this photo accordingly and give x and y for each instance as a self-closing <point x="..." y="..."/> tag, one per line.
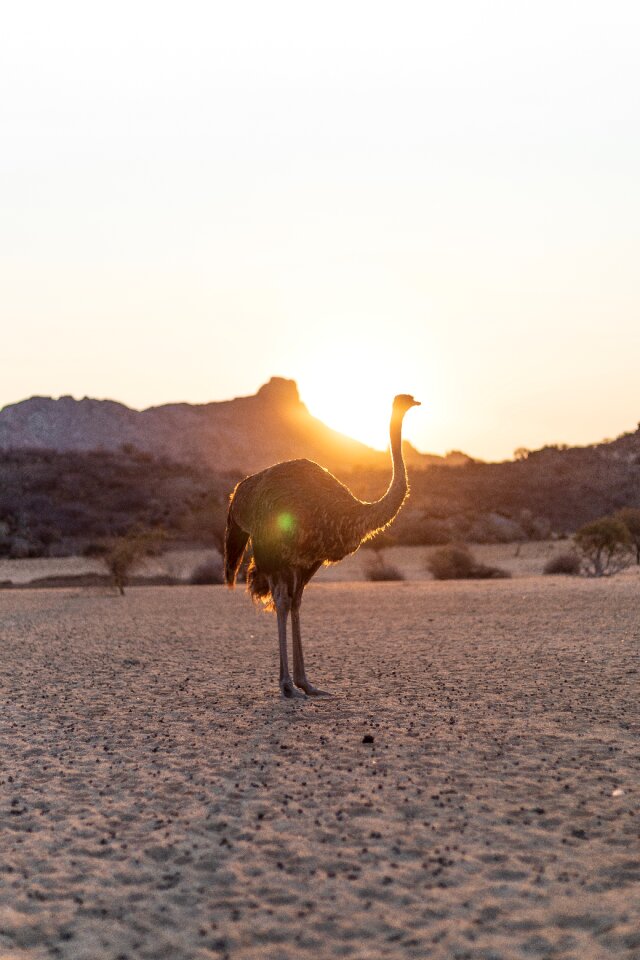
<point x="286" y="523"/>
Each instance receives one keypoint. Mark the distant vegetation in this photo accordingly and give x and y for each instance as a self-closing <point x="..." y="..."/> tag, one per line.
<point x="53" y="504"/>
<point x="551" y="492"/>
<point x="122" y="555"/>
<point x="456" y="562"/>
<point x="604" y="546"/>
<point x="377" y="568"/>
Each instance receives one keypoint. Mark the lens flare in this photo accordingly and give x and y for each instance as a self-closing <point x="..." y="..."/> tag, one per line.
<point x="286" y="523"/>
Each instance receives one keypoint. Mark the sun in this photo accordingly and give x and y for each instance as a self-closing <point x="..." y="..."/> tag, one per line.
<point x="360" y="412"/>
<point x="348" y="377"/>
<point x="357" y="424"/>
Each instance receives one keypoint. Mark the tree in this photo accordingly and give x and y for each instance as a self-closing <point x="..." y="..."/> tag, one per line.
<point x="630" y="516"/>
<point x="604" y="545"/>
<point x="125" y="553"/>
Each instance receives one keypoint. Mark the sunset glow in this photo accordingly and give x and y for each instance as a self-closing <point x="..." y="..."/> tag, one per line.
<point x="366" y="423"/>
<point x="441" y="200"/>
<point x="363" y="410"/>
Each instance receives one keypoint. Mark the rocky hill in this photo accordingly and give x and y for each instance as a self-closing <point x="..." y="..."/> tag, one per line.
<point x="243" y="435"/>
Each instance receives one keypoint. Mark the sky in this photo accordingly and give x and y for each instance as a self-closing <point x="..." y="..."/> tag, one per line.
<point x="369" y="198"/>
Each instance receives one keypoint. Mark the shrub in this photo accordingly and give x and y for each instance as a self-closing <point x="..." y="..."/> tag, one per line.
<point x="208" y="572"/>
<point x="605" y="547"/>
<point x="377" y="569"/>
<point x="456" y="562"/>
<point x="567" y="563"/>
<point x="453" y="562"/>
<point x="126" y="553"/>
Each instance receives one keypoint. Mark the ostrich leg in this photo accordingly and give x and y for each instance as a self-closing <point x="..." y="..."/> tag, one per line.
<point x="282" y="602"/>
<point x="299" y="675"/>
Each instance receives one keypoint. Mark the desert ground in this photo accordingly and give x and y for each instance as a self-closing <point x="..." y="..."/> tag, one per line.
<point x="520" y="559"/>
<point x="470" y="790"/>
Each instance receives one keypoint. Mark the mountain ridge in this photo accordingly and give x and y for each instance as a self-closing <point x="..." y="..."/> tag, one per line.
<point x="223" y="434"/>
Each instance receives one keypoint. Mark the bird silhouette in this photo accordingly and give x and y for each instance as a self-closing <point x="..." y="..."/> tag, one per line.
<point x="298" y="516"/>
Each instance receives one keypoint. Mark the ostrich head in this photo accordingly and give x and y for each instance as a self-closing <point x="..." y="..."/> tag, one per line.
<point x="402" y="403"/>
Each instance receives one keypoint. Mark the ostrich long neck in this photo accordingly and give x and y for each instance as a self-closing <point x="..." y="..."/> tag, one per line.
<point x="381" y="512"/>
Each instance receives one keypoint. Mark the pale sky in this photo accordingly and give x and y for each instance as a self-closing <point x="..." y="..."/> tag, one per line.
<point x="434" y="198"/>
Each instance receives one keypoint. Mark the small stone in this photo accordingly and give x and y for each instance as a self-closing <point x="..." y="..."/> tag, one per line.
<point x="367" y="738"/>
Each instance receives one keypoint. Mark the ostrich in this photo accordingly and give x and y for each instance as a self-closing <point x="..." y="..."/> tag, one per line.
<point x="299" y="516"/>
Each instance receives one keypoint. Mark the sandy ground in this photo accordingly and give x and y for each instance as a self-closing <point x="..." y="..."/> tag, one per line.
<point x="175" y="563"/>
<point x="521" y="560"/>
<point x="158" y="799"/>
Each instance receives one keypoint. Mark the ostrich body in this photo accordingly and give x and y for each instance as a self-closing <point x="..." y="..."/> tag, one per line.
<point x="298" y="516"/>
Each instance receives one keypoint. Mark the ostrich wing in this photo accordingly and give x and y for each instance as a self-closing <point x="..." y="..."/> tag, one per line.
<point x="297" y="513"/>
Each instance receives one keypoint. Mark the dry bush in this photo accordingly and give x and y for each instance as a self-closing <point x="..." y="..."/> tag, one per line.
<point x="456" y="562"/>
<point x="376" y="568"/>
<point x="208" y="572"/>
<point x="567" y="563"/>
<point x="125" y="553"/>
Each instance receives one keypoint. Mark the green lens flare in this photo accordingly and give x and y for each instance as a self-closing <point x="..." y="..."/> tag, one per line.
<point x="286" y="523"/>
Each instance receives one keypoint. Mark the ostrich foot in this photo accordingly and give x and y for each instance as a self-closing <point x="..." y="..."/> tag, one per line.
<point x="309" y="688"/>
<point x="288" y="691"/>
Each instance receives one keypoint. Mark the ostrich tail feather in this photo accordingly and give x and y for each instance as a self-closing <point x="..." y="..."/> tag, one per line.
<point x="258" y="587"/>
<point x="235" y="542"/>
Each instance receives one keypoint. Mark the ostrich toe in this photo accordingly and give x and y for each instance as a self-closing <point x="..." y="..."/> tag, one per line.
<point x="288" y="691"/>
<point x="309" y="688"/>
